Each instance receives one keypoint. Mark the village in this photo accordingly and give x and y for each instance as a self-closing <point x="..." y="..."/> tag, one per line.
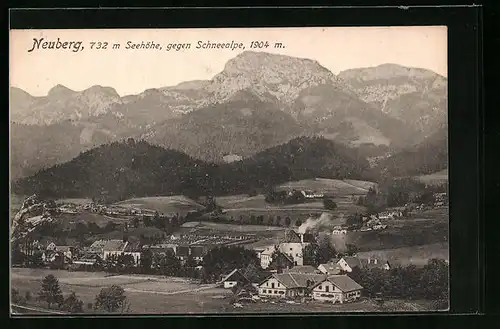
<point x="285" y="271"/>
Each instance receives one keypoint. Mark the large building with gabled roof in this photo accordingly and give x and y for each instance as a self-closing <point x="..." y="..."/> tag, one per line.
<point x="337" y="289"/>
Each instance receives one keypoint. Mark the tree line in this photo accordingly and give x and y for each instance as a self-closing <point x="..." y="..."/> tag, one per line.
<point x="429" y="282"/>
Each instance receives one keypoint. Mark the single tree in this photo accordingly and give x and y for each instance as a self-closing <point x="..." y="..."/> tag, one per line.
<point x="147" y="221"/>
<point x="51" y="292"/>
<point x="72" y="304"/>
<point x="110" y="299"/>
<point x="17" y="256"/>
<point x="168" y="264"/>
<point x="288" y="221"/>
<point x="146" y="261"/>
<point x="351" y="249"/>
<point x="329" y="204"/>
<point x="110" y="226"/>
<point x="135" y="222"/>
<point x="270" y="220"/>
<point x="125" y="263"/>
<point x="298" y="222"/>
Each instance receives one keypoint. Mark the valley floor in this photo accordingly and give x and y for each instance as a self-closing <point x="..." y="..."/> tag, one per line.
<point x="160" y="295"/>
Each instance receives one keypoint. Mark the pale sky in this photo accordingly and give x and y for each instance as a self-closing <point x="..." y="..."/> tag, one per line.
<point x="133" y="71"/>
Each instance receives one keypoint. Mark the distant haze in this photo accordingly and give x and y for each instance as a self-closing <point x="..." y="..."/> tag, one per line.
<point x="133" y="71"/>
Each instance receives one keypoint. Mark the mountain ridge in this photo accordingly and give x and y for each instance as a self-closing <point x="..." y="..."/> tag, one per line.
<point x="134" y="169"/>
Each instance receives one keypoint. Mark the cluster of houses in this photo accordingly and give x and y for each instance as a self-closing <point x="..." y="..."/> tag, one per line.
<point x="182" y="246"/>
<point x="329" y="282"/>
<point x="288" y="277"/>
<point x="196" y="246"/>
<point x="291" y="278"/>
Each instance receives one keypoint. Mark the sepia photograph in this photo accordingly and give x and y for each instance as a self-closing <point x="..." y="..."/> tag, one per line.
<point x="228" y="171"/>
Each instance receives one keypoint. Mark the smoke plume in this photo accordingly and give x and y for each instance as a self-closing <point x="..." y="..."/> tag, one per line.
<point x="323" y="227"/>
<point x="314" y="225"/>
<point x="338" y="242"/>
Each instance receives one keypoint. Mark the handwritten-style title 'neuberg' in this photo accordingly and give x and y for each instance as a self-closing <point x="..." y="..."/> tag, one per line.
<point x="76" y="46"/>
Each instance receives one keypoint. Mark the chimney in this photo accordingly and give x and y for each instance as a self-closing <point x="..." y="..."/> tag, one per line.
<point x="375" y="261"/>
<point x="301" y="238"/>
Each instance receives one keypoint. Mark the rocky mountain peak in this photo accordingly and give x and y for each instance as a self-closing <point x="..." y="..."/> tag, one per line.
<point x="60" y="91"/>
<point x="278" y="75"/>
<point x="388" y="71"/>
<point x="105" y="91"/>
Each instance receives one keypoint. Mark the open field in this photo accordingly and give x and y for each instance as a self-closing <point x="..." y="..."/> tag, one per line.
<point x="87" y="217"/>
<point x="323" y="185"/>
<point x="164" y="204"/>
<point x="174" y="296"/>
<point x="428" y="227"/>
<point x="242" y="205"/>
<point x="416" y="255"/>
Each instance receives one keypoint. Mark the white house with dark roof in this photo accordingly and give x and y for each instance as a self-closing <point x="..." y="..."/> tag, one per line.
<point x="282" y="285"/>
<point x="266" y="256"/>
<point x="330" y="268"/>
<point x="233" y="278"/>
<point x="113" y="248"/>
<point x="348" y="263"/>
<point x="337" y="289"/>
<point x="373" y="262"/>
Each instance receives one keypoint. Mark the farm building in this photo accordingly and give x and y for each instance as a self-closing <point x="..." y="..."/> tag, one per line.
<point x="348" y="263"/>
<point x="280" y="262"/>
<point x="330" y="268"/>
<point x="114" y="248"/>
<point x="289" y="285"/>
<point x="86" y="259"/>
<point x="371" y="262"/>
<point x="67" y="251"/>
<point x="234" y="278"/>
<point x="390" y="214"/>
<point x="98" y="247"/>
<point x="266" y="256"/>
<point x="337" y="289"/>
<point x="255" y="274"/>
<point x="134" y="249"/>
<point x="312" y="195"/>
<point x="293" y="245"/>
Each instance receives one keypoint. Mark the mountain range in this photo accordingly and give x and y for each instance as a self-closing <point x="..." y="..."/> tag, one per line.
<point x="259" y="101"/>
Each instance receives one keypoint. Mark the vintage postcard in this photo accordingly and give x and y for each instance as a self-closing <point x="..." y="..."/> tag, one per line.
<point x="226" y="171"/>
